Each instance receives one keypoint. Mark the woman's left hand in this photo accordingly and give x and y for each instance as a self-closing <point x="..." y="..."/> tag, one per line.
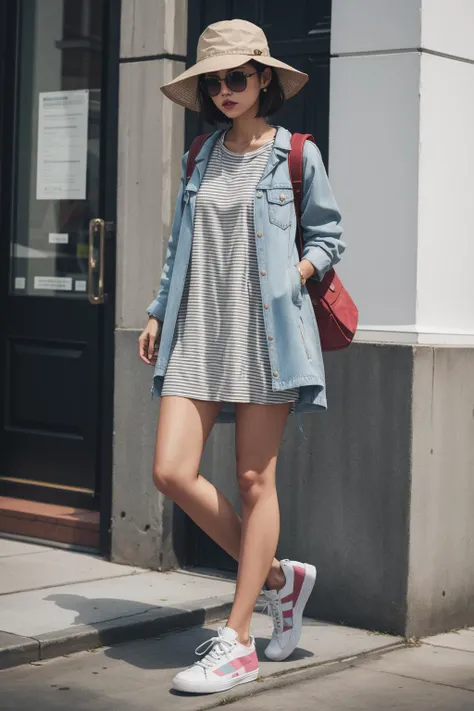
<point x="307" y="268"/>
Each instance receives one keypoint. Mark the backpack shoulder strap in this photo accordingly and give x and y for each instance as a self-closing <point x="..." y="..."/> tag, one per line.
<point x="196" y="146"/>
<point x="295" y="164"/>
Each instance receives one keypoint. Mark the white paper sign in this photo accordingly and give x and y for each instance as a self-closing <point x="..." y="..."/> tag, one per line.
<point x="58" y="238"/>
<point x="62" y="145"/>
<point x="20" y="282"/>
<point x="54" y="283"/>
<point x="80" y="285"/>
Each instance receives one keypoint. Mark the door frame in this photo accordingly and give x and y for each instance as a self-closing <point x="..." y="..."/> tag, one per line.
<point x="108" y="182"/>
<point x="10" y="18"/>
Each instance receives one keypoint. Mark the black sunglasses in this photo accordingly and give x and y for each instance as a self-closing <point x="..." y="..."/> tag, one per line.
<point x="236" y="81"/>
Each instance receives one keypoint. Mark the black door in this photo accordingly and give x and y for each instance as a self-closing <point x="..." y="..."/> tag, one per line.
<point x="57" y="241"/>
<point x="299" y="34"/>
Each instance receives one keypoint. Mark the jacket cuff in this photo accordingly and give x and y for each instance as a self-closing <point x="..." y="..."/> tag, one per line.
<point x="157" y="310"/>
<point x="320" y="260"/>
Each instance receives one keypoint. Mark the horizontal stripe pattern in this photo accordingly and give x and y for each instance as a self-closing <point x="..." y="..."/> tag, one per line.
<point x="219" y="350"/>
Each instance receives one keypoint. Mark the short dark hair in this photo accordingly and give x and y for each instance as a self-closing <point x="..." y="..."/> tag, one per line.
<point x="269" y="102"/>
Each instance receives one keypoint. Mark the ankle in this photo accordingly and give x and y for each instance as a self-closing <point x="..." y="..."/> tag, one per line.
<point x="244" y="639"/>
<point x="243" y="635"/>
<point x="276" y="578"/>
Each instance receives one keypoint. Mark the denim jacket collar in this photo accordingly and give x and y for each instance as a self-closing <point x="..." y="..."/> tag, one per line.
<point x="281" y="148"/>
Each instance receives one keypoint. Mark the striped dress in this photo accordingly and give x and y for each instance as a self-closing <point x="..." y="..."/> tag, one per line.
<point x="219" y="350"/>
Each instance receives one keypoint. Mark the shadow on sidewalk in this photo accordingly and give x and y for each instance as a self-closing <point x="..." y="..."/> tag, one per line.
<point x="148" y="647"/>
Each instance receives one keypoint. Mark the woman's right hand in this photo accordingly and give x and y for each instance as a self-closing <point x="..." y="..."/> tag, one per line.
<point x="149" y="341"/>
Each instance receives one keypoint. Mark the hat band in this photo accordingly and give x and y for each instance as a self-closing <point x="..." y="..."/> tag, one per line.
<point x="247" y="52"/>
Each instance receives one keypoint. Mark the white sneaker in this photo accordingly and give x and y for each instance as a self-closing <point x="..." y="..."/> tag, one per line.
<point x="226" y="663"/>
<point x="286" y="606"/>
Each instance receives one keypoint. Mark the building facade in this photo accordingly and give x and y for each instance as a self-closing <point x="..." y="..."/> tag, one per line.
<point x="380" y="492"/>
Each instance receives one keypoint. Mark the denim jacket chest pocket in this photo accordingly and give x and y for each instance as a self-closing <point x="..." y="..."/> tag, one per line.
<point x="280" y="206"/>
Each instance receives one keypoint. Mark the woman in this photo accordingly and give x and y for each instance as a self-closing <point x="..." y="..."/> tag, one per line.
<point x="238" y="340"/>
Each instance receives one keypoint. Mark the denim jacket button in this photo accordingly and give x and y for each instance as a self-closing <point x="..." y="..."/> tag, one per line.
<point x="282" y="197"/>
<point x="275" y="373"/>
<point x="259" y="234"/>
<point x="259" y="195"/>
<point x="270" y="338"/>
<point x="263" y="272"/>
<point x="265" y="306"/>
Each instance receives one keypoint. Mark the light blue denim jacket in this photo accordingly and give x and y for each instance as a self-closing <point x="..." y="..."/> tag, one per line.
<point x="292" y="334"/>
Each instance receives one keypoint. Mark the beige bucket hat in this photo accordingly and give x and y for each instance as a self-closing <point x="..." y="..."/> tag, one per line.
<point x="228" y="44"/>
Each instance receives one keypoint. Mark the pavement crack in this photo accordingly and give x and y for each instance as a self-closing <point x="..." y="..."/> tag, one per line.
<point x="455" y="649"/>
<point x="415" y="678"/>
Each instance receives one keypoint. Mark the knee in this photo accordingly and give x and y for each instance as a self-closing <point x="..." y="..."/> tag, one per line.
<point x="169" y="481"/>
<point x="251" y="485"/>
<point x="163" y="479"/>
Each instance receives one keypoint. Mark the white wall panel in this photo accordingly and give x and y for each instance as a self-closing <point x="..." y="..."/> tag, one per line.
<point x="374" y="119"/>
<point x="448" y="27"/>
<point x="374" y="25"/>
<point x="446" y="201"/>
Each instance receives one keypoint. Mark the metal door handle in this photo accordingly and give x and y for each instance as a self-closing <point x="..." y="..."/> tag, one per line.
<point x="96" y="226"/>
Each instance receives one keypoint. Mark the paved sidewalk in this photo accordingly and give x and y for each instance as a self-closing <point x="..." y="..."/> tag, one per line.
<point x="55" y="601"/>
<point x="436" y="676"/>
<point x="137" y="675"/>
<point x="334" y="669"/>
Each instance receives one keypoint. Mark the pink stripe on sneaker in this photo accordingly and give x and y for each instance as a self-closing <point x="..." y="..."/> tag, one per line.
<point x="219" y="672"/>
<point x="250" y="662"/>
<point x="299" y="573"/>
<point x="287" y="613"/>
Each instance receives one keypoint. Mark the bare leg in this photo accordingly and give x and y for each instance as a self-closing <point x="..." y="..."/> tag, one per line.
<point x="259" y="429"/>
<point x="183" y="428"/>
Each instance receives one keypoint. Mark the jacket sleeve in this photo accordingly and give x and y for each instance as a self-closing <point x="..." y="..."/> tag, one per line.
<point x="157" y="308"/>
<point x="320" y="216"/>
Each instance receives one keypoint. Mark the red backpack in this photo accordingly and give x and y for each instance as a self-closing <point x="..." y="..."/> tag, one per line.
<point x="334" y="309"/>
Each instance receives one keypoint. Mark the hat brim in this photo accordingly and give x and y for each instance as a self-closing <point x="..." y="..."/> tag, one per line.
<point x="183" y="89"/>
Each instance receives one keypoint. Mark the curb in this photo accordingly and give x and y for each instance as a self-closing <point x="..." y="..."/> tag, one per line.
<point x="16" y="650"/>
<point x="290" y="677"/>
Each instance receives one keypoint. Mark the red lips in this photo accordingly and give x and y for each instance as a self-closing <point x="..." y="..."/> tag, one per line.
<point x="229" y="104"/>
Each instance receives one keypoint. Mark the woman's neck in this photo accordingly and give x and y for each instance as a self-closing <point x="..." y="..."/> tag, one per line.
<point x="245" y="130"/>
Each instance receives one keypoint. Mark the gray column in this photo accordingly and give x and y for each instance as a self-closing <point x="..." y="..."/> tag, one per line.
<point x="151" y="143"/>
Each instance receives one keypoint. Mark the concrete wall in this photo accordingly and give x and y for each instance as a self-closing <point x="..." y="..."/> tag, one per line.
<point x="381" y="493"/>
<point x="441" y="567"/>
<point x="344" y="490"/>
<point x="151" y="143"/>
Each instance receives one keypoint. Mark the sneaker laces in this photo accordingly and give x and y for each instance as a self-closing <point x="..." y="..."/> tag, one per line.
<point x="273" y="608"/>
<point x="213" y="649"/>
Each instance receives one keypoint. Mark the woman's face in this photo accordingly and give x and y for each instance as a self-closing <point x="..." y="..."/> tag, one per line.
<point x="235" y="104"/>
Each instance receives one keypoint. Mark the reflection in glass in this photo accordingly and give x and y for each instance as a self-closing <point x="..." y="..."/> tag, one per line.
<point x="60" y="51"/>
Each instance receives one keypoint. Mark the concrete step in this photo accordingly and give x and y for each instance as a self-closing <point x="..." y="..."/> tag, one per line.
<point x="64" y="524"/>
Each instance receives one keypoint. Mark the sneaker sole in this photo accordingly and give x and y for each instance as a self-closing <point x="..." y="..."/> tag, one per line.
<point x="206" y="687"/>
<point x="306" y="589"/>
